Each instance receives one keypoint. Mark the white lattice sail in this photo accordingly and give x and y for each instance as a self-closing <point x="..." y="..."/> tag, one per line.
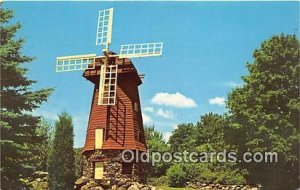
<point x="108" y="85"/>
<point x="75" y="63"/>
<point x="141" y="50"/>
<point x="104" y="28"/>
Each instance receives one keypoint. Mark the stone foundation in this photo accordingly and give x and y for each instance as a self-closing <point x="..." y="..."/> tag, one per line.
<point x="115" y="171"/>
<point x="86" y="184"/>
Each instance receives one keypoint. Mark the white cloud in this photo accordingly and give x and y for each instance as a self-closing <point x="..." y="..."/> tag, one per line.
<point x="175" y="126"/>
<point x="166" y="136"/>
<point x="177" y="100"/>
<point x="148" y="109"/>
<point x="46" y="114"/>
<point x="232" y="84"/>
<point x="220" y="101"/>
<point x="165" y="113"/>
<point x="146" y="118"/>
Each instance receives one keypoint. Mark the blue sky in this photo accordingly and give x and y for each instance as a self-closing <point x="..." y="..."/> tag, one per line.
<point x="206" y="47"/>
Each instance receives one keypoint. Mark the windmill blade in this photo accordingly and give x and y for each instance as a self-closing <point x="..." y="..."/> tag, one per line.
<point x="104" y="28"/>
<point x="141" y="50"/>
<point x="75" y="63"/>
<point x="108" y="85"/>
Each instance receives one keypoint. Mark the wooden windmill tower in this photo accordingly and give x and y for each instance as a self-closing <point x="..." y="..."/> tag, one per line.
<point x="115" y="121"/>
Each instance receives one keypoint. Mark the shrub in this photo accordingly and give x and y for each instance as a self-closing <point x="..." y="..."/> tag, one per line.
<point x="176" y="175"/>
<point x="224" y="173"/>
<point x="161" y="181"/>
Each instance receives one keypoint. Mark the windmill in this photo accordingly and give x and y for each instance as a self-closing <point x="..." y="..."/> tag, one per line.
<point x="115" y="121"/>
<point x="103" y="38"/>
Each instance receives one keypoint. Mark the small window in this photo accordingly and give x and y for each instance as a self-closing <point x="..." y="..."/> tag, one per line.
<point x="126" y="168"/>
<point x="98" y="138"/>
<point x="99" y="170"/>
<point x="136" y="107"/>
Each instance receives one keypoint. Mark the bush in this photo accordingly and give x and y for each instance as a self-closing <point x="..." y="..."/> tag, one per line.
<point x="161" y="181"/>
<point x="176" y="175"/>
<point x="195" y="172"/>
<point x="224" y="173"/>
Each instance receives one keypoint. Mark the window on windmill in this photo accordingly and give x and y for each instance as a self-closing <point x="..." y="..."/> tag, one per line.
<point x="98" y="138"/>
<point x="136" y="106"/>
<point x="127" y="168"/>
<point x="99" y="170"/>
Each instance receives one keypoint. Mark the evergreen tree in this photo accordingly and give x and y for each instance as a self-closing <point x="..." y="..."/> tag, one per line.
<point x="265" y="112"/>
<point x="43" y="149"/>
<point x="78" y="162"/>
<point x="61" y="162"/>
<point x="19" y="136"/>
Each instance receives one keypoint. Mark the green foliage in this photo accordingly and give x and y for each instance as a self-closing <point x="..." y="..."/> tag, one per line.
<point x="223" y="173"/>
<point x="179" y="174"/>
<point x="78" y="162"/>
<point x="183" y="138"/>
<point x="206" y="136"/>
<point x="20" y="137"/>
<point x="154" y="139"/>
<point x="176" y="175"/>
<point x="210" y="130"/>
<point x="61" y="163"/>
<point x="39" y="182"/>
<point x="43" y="148"/>
<point x="155" y="143"/>
<point x="39" y="185"/>
<point x="265" y="112"/>
<point x="160" y="181"/>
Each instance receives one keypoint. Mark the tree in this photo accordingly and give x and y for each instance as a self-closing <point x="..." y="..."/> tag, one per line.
<point x="19" y="136"/>
<point x="210" y="130"/>
<point x="177" y="177"/>
<point x="43" y="149"/>
<point x="265" y="112"/>
<point x="207" y="136"/>
<point x="78" y="162"/>
<point x="183" y="138"/>
<point x="154" y="140"/>
<point x="210" y="137"/>
<point x="155" y="143"/>
<point x="61" y="163"/>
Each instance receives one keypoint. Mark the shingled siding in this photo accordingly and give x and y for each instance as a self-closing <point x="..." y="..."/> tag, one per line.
<point x="122" y="123"/>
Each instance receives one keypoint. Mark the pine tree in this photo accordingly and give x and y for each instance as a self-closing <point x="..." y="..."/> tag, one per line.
<point x="61" y="163"/>
<point x="19" y="137"/>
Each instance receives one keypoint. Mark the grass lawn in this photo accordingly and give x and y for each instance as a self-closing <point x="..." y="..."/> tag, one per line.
<point x="173" y="188"/>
